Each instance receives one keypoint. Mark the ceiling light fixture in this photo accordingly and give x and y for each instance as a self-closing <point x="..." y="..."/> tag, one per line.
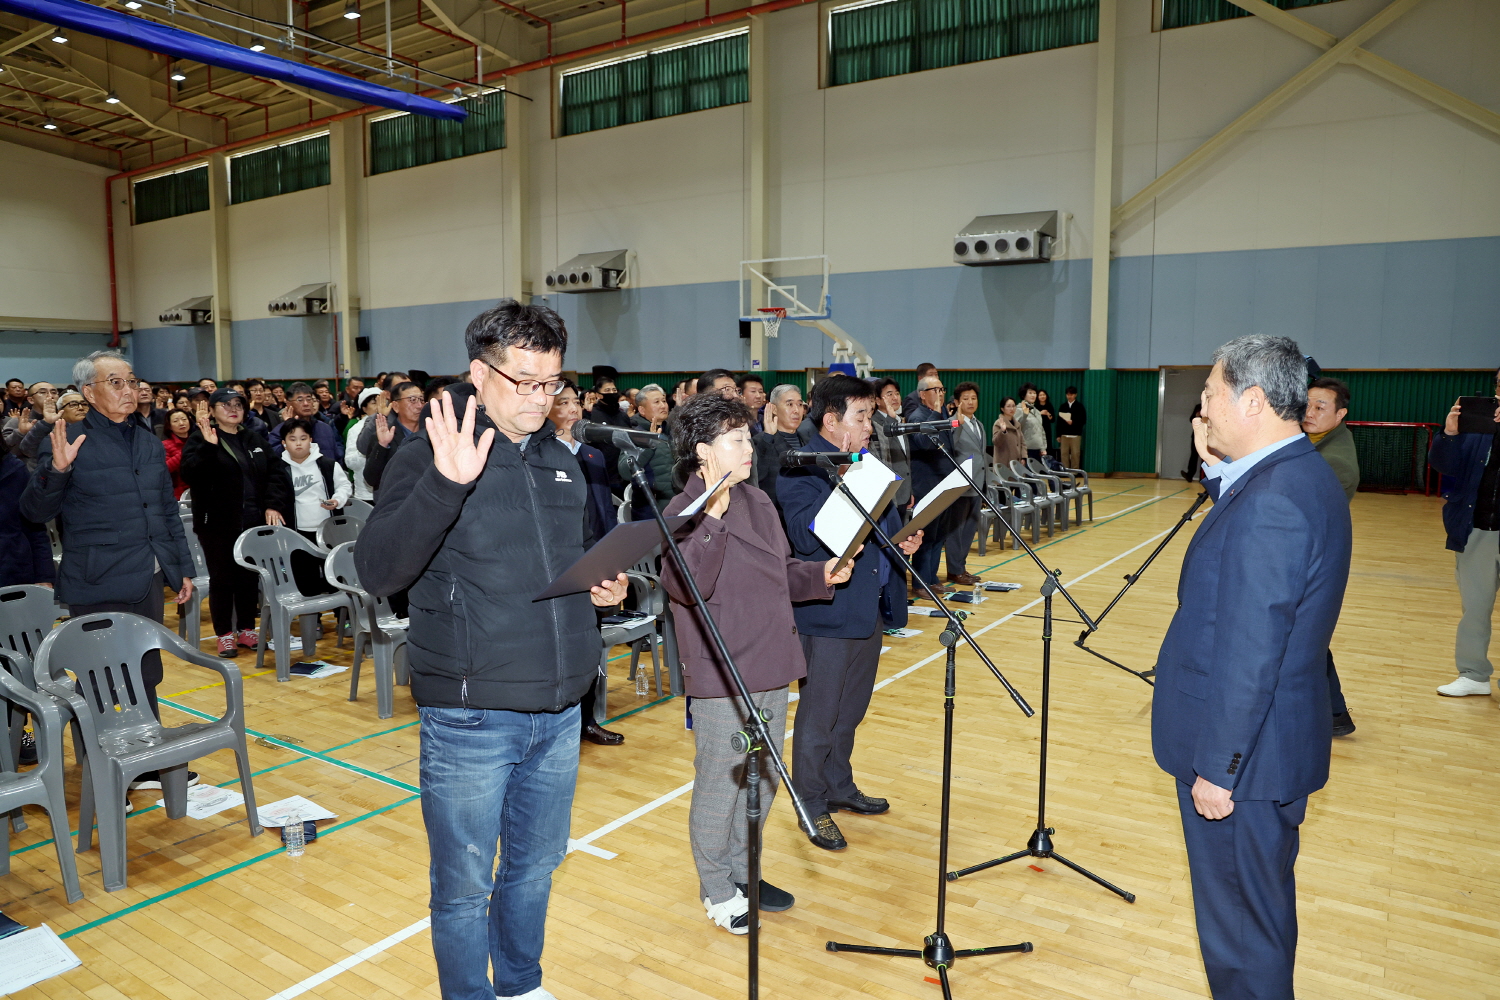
<point x="178" y="75"/>
<point x="257" y="47"/>
<point x="59" y="37"/>
<point x="113" y="98"/>
<point x="132" y="4"/>
<point x="52" y="125"/>
<point x="351" y="9"/>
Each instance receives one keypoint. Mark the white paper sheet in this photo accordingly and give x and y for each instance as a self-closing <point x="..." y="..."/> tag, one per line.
<point x="31" y="956"/>
<point x="271" y="814"/>
<point x="838" y="525"/>
<point x="206" y="800"/>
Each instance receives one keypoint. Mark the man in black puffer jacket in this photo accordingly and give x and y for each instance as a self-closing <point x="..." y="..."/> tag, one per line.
<point x="477" y="512"/>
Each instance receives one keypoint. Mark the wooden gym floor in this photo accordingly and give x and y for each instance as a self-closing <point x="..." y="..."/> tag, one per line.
<point x="1399" y="872"/>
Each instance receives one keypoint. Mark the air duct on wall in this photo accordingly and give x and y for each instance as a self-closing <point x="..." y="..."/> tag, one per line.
<point x="304" y="300"/>
<point x="607" y="271"/>
<point x="1020" y="238"/>
<point x="190" y="312"/>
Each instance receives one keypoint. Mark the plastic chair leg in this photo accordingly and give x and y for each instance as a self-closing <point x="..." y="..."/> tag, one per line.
<point x="247" y="786"/>
<point x="283" y="653"/>
<point x="86" y="809"/>
<point x="174" y="786"/>
<point x="655" y="662"/>
<point x="10" y="752"/>
<point x="62" y="840"/>
<point x="601" y="690"/>
<point x="403" y="665"/>
<point x="354" y="674"/>
<point x="385" y="680"/>
<point x="112" y="837"/>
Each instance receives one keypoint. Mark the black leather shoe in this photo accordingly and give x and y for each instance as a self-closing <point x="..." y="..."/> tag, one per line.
<point x="826" y="833"/>
<point x="772" y="899"/>
<point x="860" y="803"/>
<point x="595" y="733"/>
<point x="1343" y="725"/>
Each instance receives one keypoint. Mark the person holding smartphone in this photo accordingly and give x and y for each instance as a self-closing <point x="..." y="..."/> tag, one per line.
<point x="1472" y="519"/>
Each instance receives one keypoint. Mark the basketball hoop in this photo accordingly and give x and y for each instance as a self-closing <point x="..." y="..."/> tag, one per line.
<point x="773" y="317"/>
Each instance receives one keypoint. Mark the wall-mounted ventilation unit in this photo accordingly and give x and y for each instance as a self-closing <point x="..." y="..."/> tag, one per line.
<point x="591" y="272"/>
<point x="304" y="300"/>
<point x="1022" y="238"/>
<point x="193" y="312"/>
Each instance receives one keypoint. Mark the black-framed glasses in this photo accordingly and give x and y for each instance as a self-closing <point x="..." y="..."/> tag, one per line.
<point x="525" y="387"/>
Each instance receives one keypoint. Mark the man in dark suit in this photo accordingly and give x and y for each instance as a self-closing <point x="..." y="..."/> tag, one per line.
<point x="840" y="638"/>
<point x="929" y="465"/>
<point x="1241" y="714"/>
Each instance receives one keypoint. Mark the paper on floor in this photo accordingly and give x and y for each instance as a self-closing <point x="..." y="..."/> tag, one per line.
<point x="271" y="814"/>
<point x="205" y="800"/>
<point x="32" y="956"/>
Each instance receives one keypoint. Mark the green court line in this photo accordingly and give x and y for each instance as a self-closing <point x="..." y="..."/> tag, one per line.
<point x="227" y="871"/>
<point x="1083" y="531"/>
<point x="638" y="708"/>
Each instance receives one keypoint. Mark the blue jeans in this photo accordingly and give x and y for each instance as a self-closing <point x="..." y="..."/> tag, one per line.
<point x="492" y="776"/>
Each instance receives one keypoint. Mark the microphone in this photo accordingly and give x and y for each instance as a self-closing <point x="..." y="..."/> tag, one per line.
<point x="923" y="427"/>
<point x="590" y="432"/>
<point x="797" y="459"/>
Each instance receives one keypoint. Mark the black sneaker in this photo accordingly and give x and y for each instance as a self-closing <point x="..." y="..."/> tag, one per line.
<point x="826" y="833"/>
<point x="152" y="779"/>
<point x="772" y="899"/>
<point x="860" y="803"/>
<point x="28" y="750"/>
<point x="1343" y="725"/>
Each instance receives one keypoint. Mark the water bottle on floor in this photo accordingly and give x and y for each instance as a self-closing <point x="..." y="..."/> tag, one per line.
<point x="291" y="834"/>
<point x="640" y="682"/>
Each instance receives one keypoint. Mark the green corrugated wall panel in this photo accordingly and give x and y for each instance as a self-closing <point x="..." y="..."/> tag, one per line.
<point x="996" y="383"/>
<point x="1135" y="420"/>
<point x="1410" y="396"/>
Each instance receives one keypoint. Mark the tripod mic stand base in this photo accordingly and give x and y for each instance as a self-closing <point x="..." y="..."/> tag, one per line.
<point x="1040" y="846"/>
<point x="937" y="951"/>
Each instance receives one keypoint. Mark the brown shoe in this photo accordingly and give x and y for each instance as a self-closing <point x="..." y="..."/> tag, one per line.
<point x="595" y="733"/>
<point x="963" y="579"/>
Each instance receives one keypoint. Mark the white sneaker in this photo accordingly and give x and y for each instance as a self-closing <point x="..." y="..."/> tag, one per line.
<point x="1464" y="686"/>
<point x="733" y="914"/>
<point x="540" y="993"/>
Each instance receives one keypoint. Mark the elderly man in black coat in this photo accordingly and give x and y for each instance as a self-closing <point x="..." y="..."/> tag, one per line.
<point x="105" y="479"/>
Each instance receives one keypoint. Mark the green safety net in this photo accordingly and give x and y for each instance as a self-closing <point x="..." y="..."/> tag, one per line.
<point x="171" y="194"/>
<point x="658" y="84"/>
<point x="294" y="166"/>
<point x="1181" y="13"/>
<point x="905" y="36"/>
<point x="408" y="140"/>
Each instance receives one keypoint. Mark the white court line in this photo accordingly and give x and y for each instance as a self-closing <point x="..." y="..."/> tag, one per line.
<point x="585" y="842"/>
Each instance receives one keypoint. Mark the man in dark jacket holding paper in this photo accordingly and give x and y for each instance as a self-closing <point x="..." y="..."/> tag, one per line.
<point x="476" y="514"/>
<point x="840" y="638"/>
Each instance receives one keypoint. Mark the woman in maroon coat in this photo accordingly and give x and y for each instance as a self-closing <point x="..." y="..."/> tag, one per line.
<point x="739" y="555"/>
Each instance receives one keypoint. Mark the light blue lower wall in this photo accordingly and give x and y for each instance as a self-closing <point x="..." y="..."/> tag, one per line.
<point x="1428" y="304"/>
<point x="36" y="357"/>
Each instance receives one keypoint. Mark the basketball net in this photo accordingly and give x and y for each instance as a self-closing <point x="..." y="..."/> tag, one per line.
<point x="773" y="317"/>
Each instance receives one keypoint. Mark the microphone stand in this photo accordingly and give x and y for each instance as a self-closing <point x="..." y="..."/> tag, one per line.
<point x="937" y="951"/>
<point x="1039" y="845"/>
<point x="1130" y="578"/>
<point x="754" y="740"/>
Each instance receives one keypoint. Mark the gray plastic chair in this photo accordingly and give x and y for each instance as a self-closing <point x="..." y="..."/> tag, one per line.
<point x="121" y="737"/>
<point x="27" y="614"/>
<point x="1076" y="480"/>
<point x="650" y="600"/>
<point x="361" y="509"/>
<point x="1044" y="494"/>
<point x="43" y="784"/>
<point x="376" y="625"/>
<point x="190" y="615"/>
<point x="338" y="529"/>
<point x="268" y="550"/>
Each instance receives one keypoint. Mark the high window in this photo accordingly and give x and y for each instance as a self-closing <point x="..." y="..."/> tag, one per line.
<point x="291" y="166"/>
<point x="704" y="73"/>
<point x="165" y="195"/>
<point x="407" y="140"/>
<point x="1181" y="13"/>
<point x="867" y="41"/>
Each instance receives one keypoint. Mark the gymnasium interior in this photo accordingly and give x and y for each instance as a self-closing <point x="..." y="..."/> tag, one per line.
<point x="248" y="189"/>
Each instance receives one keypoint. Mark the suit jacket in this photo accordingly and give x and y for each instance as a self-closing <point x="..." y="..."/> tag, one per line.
<point x="749" y="579"/>
<point x="874" y="596"/>
<point x="929" y="464"/>
<point x="895" y="451"/>
<point x="1241" y="693"/>
<point x="600" y="514"/>
<point x="116" y="513"/>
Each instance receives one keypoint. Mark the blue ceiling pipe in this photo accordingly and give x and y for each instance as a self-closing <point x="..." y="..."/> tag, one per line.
<point x="154" y="37"/>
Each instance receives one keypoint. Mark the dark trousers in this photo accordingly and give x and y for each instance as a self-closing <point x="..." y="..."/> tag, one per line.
<point x="934" y="539"/>
<point x="1245" y="895"/>
<point x="233" y="590"/>
<point x="833" y="700"/>
<point x="150" y="607"/>
<point x="965" y="518"/>
<point x="1335" y="689"/>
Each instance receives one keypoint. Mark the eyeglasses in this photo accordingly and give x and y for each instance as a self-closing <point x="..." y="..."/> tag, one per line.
<point x="525" y="387"/>
<point x="117" y="383"/>
<point x="76" y="402"/>
<point x="50" y="393"/>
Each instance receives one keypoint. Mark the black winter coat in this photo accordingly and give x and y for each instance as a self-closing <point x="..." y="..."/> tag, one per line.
<point x="218" y="484"/>
<point x="115" y="511"/>
<point x="474" y="555"/>
<point x="25" y="552"/>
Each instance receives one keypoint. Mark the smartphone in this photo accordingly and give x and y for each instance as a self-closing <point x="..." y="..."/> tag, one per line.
<point x="1476" y="414"/>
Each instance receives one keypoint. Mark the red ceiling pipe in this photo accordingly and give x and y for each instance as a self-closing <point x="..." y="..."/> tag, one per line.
<point x="114" y="291"/>
<point x="82" y="142"/>
<point x="63" y="100"/>
<point x="265" y="108"/>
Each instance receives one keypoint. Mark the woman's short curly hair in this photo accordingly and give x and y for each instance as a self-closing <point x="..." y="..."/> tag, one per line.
<point x="699" y="420"/>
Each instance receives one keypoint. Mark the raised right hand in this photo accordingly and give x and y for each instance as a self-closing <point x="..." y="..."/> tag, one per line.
<point x="455" y="453"/>
<point x="1450" y="426"/>
<point x="49" y="410"/>
<point x="385" y="431"/>
<point x="24" y="420"/>
<point x="63" y="450"/>
<point x="210" y="433"/>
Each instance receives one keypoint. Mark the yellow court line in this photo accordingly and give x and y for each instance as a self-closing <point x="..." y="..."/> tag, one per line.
<point x="216" y="684"/>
